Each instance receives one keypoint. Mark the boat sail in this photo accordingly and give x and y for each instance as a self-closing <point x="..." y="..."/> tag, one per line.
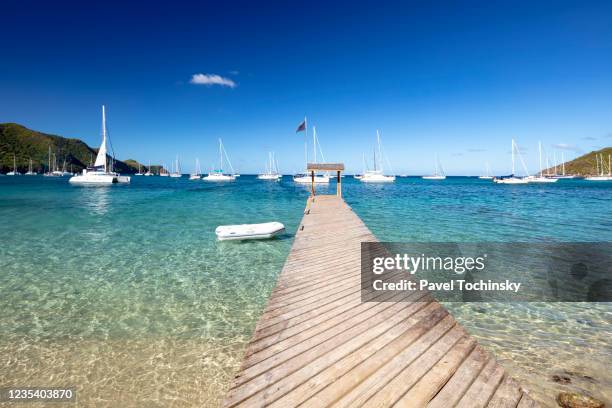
<point x="196" y="175"/>
<point x="377" y="175"/>
<point x="306" y="178"/>
<point x="271" y="172"/>
<point x="217" y="175"/>
<point x="438" y="172"/>
<point x="100" y="173"/>
<point x="512" y="179"/>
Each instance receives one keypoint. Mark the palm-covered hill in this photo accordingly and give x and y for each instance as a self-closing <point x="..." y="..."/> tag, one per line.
<point x="585" y="164"/>
<point x="26" y="144"/>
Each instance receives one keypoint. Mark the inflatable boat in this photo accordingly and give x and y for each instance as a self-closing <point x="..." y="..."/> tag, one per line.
<point x="249" y="231"/>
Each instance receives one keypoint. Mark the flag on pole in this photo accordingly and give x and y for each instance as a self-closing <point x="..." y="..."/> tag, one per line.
<point x="301" y="127"/>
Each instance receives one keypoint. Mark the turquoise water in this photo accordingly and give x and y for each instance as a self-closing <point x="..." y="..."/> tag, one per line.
<point x="124" y="292"/>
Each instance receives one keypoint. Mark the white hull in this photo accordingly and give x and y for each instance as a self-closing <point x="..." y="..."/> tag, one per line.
<point x="195" y="177"/>
<point x="511" y="180"/>
<point x="31" y="173"/>
<point x="599" y="178"/>
<point x="164" y="175"/>
<point x="139" y="174"/>
<point x="308" y="179"/>
<point x="486" y="177"/>
<point x="541" y="180"/>
<point x="249" y="231"/>
<point x="377" y="178"/>
<point x="357" y="176"/>
<point x="434" y="177"/>
<point x="218" y="177"/>
<point x="13" y="173"/>
<point x="148" y="174"/>
<point x="99" y="178"/>
<point x="272" y="177"/>
<point x="176" y="175"/>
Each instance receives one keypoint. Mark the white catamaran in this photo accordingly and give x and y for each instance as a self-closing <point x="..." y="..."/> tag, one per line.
<point x="306" y="178"/>
<point x="512" y="179"/>
<point x="438" y="172"/>
<point x="271" y="172"/>
<point x="377" y="175"/>
<point x="217" y="175"/>
<point x="101" y="172"/>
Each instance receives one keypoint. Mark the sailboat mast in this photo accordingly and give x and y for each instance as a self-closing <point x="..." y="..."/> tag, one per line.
<point x="379" y="150"/>
<point x="305" y="144"/>
<point x="513" y="157"/>
<point x="563" y="162"/>
<point x="314" y="143"/>
<point x="104" y="136"/>
<point x="540" y="153"/>
<point x="221" y="155"/>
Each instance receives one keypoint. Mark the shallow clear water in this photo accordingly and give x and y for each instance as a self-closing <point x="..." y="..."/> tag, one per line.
<point x="124" y="292"/>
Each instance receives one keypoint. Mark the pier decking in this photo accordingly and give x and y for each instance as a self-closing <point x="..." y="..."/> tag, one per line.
<point x="318" y="345"/>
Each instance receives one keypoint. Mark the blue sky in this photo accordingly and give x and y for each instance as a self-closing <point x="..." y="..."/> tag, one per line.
<point x="457" y="79"/>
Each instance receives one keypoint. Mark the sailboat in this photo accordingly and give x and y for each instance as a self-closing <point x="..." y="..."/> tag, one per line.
<point x="541" y="178"/>
<point x="271" y="172"/>
<point x="139" y="170"/>
<point x="49" y="172"/>
<point x="377" y="175"/>
<point x="512" y="179"/>
<point x="600" y="175"/>
<point x="306" y="178"/>
<point x="163" y="172"/>
<point x="100" y="173"/>
<point x="487" y="175"/>
<point x="438" y="172"/>
<point x="196" y="175"/>
<point x="30" y="170"/>
<point x="176" y="169"/>
<point x="217" y="175"/>
<point x="563" y="175"/>
<point x="14" y="172"/>
<point x="149" y="173"/>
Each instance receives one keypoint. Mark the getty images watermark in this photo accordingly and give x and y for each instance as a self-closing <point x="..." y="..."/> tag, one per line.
<point x="487" y="272"/>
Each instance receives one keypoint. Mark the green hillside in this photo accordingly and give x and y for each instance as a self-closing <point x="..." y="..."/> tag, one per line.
<point x="585" y="164"/>
<point x="28" y="144"/>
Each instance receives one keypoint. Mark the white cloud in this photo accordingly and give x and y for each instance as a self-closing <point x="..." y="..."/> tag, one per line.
<point x="211" y="79"/>
<point x="565" y="146"/>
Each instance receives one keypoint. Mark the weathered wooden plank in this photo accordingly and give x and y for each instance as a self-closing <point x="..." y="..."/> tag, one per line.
<point x="508" y="394"/>
<point x="454" y="389"/>
<point x="431" y="383"/>
<point x="483" y="387"/>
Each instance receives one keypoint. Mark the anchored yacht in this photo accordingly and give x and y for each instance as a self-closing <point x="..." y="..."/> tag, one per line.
<point x="100" y="172"/>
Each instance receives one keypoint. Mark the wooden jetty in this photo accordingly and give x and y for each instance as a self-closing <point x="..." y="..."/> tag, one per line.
<point x="317" y="344"/>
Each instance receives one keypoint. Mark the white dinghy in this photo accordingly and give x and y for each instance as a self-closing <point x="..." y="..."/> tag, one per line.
<point x="249" y="231"/>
